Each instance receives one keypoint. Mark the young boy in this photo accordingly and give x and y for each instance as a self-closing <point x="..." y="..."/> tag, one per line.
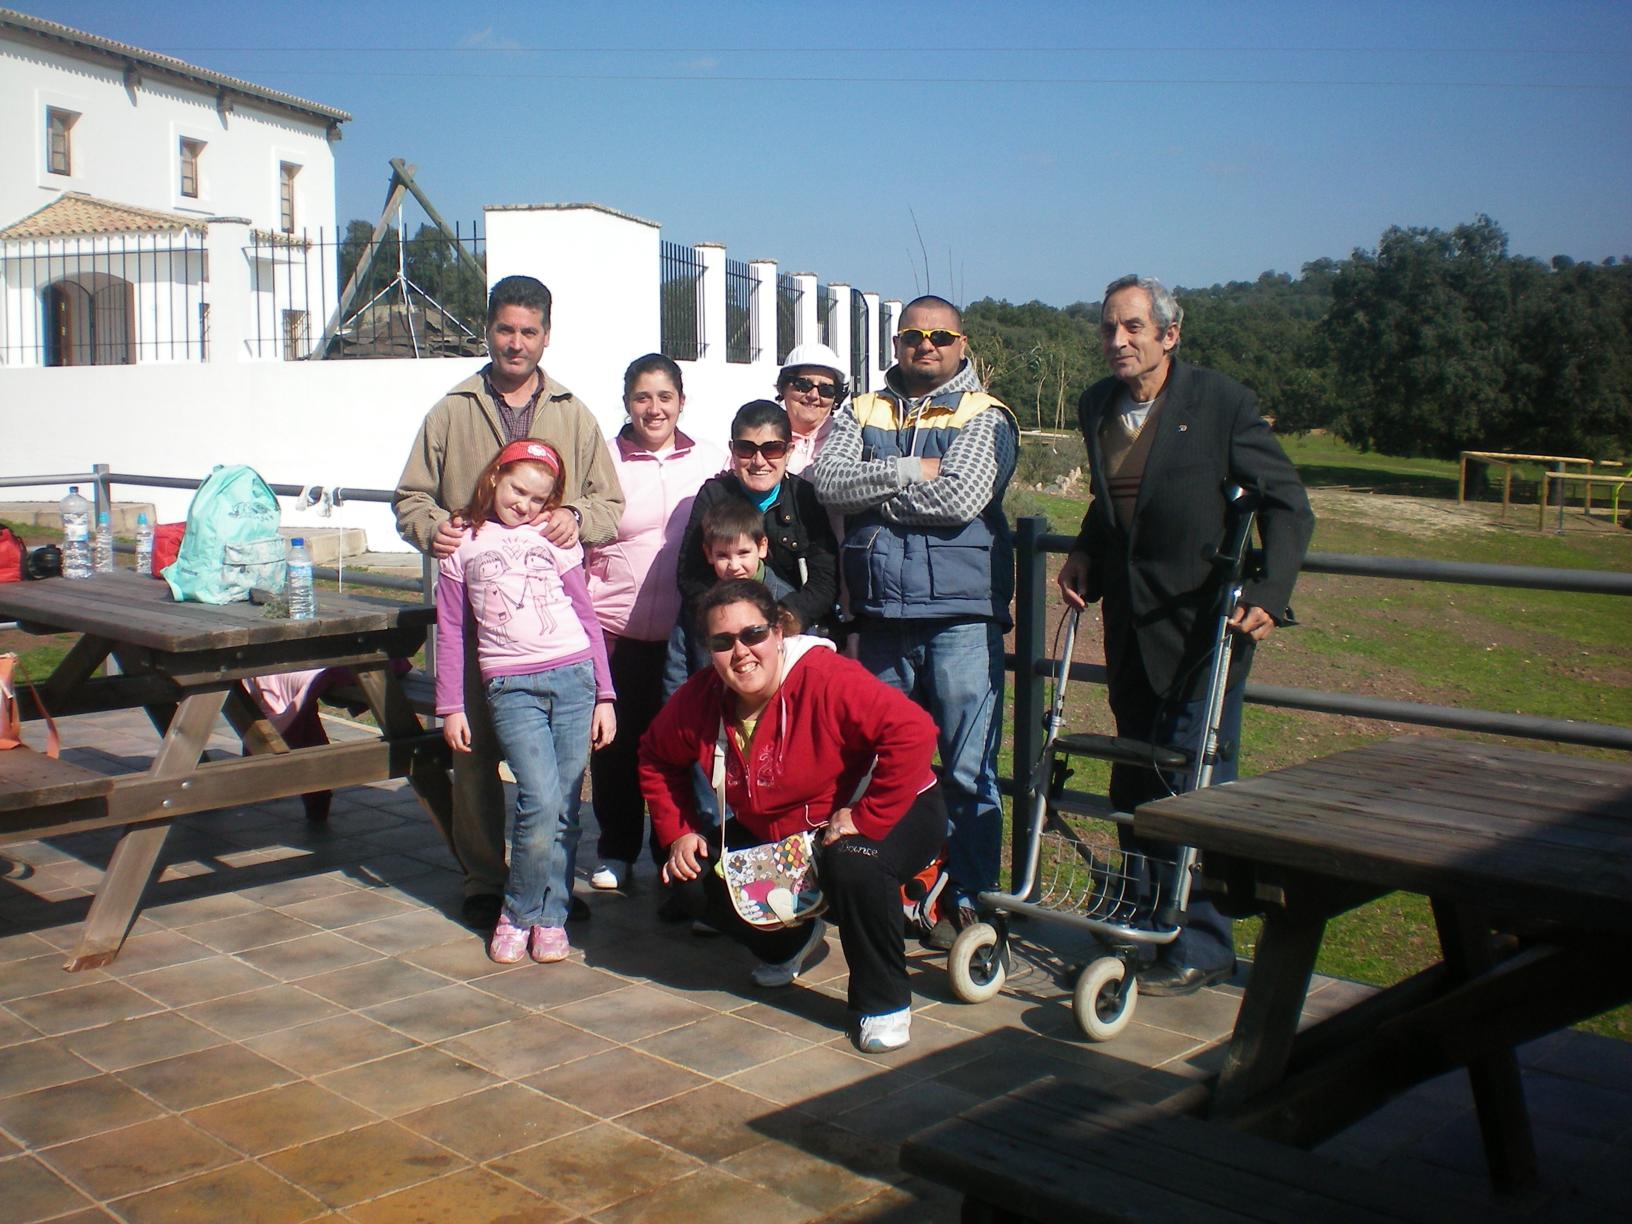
<point x="735" y="544"/>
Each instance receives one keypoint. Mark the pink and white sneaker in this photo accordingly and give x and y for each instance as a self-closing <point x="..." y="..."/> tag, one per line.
<point x="549" y="944"/>
<point x="509" y="943"/>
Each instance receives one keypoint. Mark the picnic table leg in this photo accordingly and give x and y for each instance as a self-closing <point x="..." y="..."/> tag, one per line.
<point x="131" y="865"/>
<point x="1270" y="1008"/>
<point x="75" y="667"/>
<point x="254" y="728"/>
<point x="1498" y="1091"/>
<point x="428" y="776"/>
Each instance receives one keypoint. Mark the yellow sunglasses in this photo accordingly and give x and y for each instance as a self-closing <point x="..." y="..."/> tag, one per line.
<point x="940" y="337"/>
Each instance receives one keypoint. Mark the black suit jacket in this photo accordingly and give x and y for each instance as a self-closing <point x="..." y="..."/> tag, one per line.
<point x="1154" y="576"/>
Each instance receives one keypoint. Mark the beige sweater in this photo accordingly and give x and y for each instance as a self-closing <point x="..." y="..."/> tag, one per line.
<point x="462" y="433"/>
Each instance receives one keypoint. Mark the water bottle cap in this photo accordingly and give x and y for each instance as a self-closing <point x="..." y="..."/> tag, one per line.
<point x="102" y="517"/>
<point x="141" y="519"/>
<point x="73" y="490"/>
<point x="298" y="542"/>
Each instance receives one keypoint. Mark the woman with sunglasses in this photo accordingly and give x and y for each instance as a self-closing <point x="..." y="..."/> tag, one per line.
<point x="810" y="386"/>
<point x="632" y="585"/>
<point x="810" y="740"/>
<point x="803" y="552"/>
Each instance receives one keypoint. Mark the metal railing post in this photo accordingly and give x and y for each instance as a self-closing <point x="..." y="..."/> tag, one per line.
<point x="1030" y="632"/>
<point x="102" y="498"/>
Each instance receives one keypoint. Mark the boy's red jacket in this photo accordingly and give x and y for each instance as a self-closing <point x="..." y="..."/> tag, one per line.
<point x="828" y="723"/>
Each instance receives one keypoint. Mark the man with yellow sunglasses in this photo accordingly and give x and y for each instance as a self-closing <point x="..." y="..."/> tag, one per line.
<point x="918" y="470"/>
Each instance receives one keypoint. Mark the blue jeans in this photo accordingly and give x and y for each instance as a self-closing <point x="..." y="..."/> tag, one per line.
<point x="954" y="669"/>
<point x="542" y="721"/>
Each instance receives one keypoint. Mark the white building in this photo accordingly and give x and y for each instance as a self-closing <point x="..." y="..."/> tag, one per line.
<point x="152" y="210"/>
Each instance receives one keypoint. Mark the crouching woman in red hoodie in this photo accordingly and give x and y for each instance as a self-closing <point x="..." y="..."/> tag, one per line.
<point x="805" y="730"/>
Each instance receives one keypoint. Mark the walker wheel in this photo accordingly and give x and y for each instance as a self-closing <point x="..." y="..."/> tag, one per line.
<point x="1104" y="999"/>
<point x="975" y="964"/>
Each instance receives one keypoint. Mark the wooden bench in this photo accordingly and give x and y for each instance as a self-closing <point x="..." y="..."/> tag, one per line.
<point x="1054" y="1150"/>
<point x="40" y="795"/>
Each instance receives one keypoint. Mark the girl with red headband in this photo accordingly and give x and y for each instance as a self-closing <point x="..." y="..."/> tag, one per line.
<point x="542" y="659"/>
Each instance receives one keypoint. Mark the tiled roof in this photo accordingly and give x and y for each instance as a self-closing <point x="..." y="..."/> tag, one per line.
<point x="108" y="49"/>
<point x="75" y="214"/>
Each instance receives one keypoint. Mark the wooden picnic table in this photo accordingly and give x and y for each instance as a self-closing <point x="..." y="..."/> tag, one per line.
<point x="1526" y="858"/>
<point x="187" y="665"/>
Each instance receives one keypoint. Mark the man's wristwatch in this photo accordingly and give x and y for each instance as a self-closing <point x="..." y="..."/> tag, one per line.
<point x="577" y="515"/>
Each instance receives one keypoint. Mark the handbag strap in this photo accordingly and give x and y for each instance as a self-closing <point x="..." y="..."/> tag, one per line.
<point x="10" y="674"/>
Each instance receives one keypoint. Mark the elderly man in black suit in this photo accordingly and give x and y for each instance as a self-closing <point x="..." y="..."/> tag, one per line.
<point x="1164" y="438"/>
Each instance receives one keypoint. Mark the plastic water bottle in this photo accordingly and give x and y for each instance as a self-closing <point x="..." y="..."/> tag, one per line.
<point x="144" y="546"/>
<point x="102" y="545"/>
<point x="76" y="535"/>
<point x="302" y="602"/>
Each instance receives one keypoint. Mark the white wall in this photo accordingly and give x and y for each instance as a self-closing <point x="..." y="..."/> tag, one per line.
<point x="320" y="422"/>
<point x="603" y="269"/>
<point x="350" y="423"/>
<point x="126" y="143"/>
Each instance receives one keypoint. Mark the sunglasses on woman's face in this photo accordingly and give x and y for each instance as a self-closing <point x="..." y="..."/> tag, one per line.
<point x="805" y="386"/>
<point x="753" y="635"/>
<point x="772" y="450"/>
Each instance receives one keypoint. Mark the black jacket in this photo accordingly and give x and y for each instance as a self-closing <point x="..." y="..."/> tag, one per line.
<point x="1155" y="577"/>
<point x="797" y="529"/>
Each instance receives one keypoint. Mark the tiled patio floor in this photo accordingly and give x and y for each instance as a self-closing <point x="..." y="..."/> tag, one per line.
<point x="298" y="1029"/>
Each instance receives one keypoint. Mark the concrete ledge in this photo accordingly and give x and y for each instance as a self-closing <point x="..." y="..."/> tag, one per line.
<point x="121" y="515"/>
<point x="326" y="544"/>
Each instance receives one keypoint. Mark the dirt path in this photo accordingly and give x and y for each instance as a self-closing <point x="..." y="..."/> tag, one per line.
<point x="1423" y="517"/>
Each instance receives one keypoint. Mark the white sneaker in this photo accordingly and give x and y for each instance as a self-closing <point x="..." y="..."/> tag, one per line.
<point x="610" y="876"/>
<point x="880" y="1034"/>
<point x="783" y="973"/>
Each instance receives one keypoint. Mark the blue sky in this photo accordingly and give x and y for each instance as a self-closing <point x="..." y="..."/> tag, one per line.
<point x="1044" y="148"/>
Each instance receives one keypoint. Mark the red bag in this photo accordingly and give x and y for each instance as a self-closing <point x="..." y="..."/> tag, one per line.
<point x="13" y="555"/>
<point x="166" y="544"/>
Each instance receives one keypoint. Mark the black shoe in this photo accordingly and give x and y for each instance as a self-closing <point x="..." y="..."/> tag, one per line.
<point x="577" y="910"/>
<point x="675" y="907"/>
<point x="481" y="911"/>
<point x="1165" y="980"/>
<point x="944" y="933"/>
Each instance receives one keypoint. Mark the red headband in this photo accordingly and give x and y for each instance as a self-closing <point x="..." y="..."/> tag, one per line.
<point x="531" y="450"/>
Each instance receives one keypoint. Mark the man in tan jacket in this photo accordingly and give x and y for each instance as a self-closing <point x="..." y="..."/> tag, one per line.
<point x="509" y="398"/>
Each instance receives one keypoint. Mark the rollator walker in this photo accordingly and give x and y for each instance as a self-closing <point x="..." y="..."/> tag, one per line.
<point x="1129" y="901"/>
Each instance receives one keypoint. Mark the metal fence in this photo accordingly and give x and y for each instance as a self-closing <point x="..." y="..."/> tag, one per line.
<point x="740" y="342"/>
<point x="109" y="300"/>
<point x="680" y="295"/>
<point x="824" y="314"/>
<point x="122" y="299"/>
<point x="787" y="315"/>
<point x="1030" y="665"/>
<point x="415" y="298"/>
<point x="886" y="342"/>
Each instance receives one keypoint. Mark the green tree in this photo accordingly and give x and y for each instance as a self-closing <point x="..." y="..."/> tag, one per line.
<point x="1419" y="334"/>
<point x="1439" y="342"/>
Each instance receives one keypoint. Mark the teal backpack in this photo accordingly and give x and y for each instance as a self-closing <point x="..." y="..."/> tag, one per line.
<point x="232" y="541"/>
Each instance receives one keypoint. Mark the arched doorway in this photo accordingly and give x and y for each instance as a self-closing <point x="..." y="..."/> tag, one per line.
<point x="89" y="320"/>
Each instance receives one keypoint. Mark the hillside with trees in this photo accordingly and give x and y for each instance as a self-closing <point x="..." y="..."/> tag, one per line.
<point x="1432" y="342"/>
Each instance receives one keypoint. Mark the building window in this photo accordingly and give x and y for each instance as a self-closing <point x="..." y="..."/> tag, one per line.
<point x="59" y="157"/>
<point x="294" y="335"/>
<point x="286" y="196"/>
<point x="191" y="150"/>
